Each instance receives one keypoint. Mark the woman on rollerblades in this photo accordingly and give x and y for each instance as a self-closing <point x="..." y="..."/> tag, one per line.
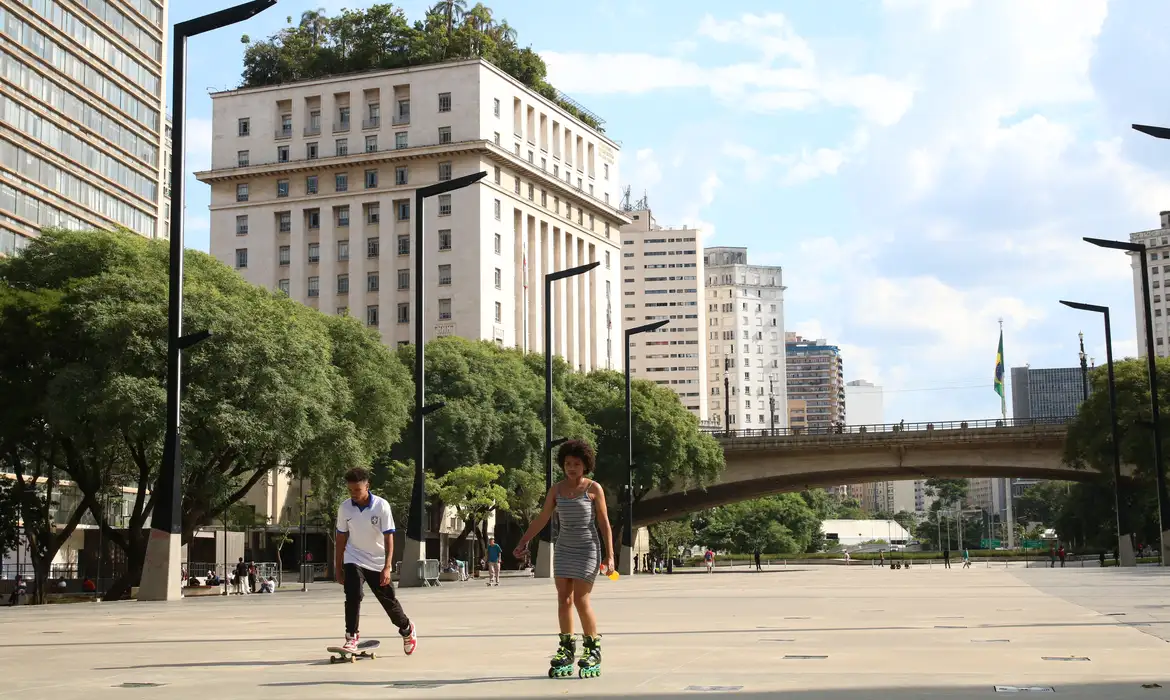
<point x="579" y="503"/>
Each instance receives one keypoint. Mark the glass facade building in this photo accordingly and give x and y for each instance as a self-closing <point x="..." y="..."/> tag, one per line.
<point x="1046" y="394"/>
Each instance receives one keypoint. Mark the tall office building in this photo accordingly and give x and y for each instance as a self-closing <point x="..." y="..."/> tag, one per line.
<point x="745" y="334"/>
<point x="312" y="193"/>
<point x="1046" y="394"/>
<point x="864" y="406"/>
<point x="662" y="279"/>
<point x="82" y="117"/>
<point x="816" y="375"/>
<point x="1157" y="242"/>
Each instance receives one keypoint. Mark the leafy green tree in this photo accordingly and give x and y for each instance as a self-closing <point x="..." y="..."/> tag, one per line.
<point x="667" y="536"/>
<point x="381" y="37"/>
<point x="10" y="516"/>
<point x="475" y="493"/>
<point x="669" y="450"/>
<point x="782" y="524"/>
<point x="947" y="492"/>
<point x="906" y="519"/>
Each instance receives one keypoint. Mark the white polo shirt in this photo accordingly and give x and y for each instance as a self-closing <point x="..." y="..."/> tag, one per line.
<point x="366" y="528"/>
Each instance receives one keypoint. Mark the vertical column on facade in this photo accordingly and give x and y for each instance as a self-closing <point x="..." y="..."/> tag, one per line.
<point x="544" y="270"/>
<point x="329" y="266"/>
<point x="571" y="260"/>
<point x="357" y="267"/>
<point x="582" y="312"/>
<point x="521" y="296"/>
<point x="594" y="327"/>
<point x="558" y="315"/>
<point x="298" y="269"/>
<point x="535" y="286"/>
<point x="387" y="274"/>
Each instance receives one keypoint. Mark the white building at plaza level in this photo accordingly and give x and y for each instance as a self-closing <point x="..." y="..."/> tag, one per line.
<point x="312" y="193"/>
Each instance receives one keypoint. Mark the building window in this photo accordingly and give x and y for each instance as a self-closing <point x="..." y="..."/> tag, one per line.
<point x="499" y="243"/>
<point x="311" y="150"/>
<point x="401" y="175"/>
<point x="244" y="125"/>
<point x="342" y="146"/>
<point x="372" y="315"/>
<point x="314" y="286"/>
<point x="531" y="192"/>
<point x="343" y="216"/>
<point x="374" y="110"/>
<point x="444" y="134"/>
<point x="311" y="184"/>
<point x="516" y="185"/>
<point x="373" y="247"/>
<point x="497" y="174"/>
<point x="341" y="182"/>
<point x="282" y="285"/>
<point x="242" y="159"/>
<point x="444" y="275"/>
<point x="372" y="281"/>
<point x="543" y="198"/>
<point x="530" y="157"/>
<point x="497" y="209"/>
<point x="314" y="253"/>
<point x="241" y="258"/>
<point x="371" y="143"/>
<point x="343" y="311"/>
<point x="499" y="312"/>
<point x="404" y="313"/>
<point x="404" y="279"/>
<point x="282" y="154"/>
<point x="605" y="170"/>
<point x="285" y="255"/>
<point x="342" y="118"/>
<point x="343" y="284"/>
<point x="400" y="139"/>
<point x="444" y="205"/>
<point x="314" y="216"/>
<point x="444" y="309"/>
<point x="371" y="179"/>
<point x="343" y="250"/>
<point x="403" y="112"/>
<point x="444" y="239"/>
<point x="242" y="225"/>
<point x="404" y="244"/>
<point x="444" y="171"/>
<point x="242" y="193"/>
<point x="403" y="207"/>
<point x="372" y="212"/>
<point x="499" y="277"/>
<point x="284" y="221"/>
<point x="282" y="188"/>
<point x="495" y="108"/>
<point x="607" y="229"/>
<point x="444" y="102"/>
<point x="497" y="138"/>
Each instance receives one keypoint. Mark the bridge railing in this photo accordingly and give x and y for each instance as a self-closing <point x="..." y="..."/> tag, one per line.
<point x="898" y="427"/>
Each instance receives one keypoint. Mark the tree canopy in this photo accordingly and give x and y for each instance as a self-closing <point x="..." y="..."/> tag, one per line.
<point x="382" y="37"/>
<point x="783" y="524"/>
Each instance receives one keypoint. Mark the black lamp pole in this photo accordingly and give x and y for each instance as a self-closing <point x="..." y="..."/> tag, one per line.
<point x="1084" y="368"/>
<point x="1152" y="369"/>
<point x="1124" y="545"/>
<point x="160" y="579"/>
<point x="727" y="394"/>
<point x="410" y="574"/>
<point x="626" y="563"/>
<point x="543" y="567"/>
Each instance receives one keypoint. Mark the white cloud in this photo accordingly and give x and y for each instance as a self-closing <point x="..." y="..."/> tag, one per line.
<point x="644" y="172"/>
<point x="769" y="84"/>
<point x="197" y="139"/>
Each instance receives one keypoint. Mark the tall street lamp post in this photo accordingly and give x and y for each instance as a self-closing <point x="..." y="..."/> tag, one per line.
<point x="727" y="395"/>
<point x="1124" y="543"/>
<point x="544" y="551"/>
<point x="415" y="551"/>
<point x="1084" y="367"/>
<point x="161" y="570"/>
<point x="1152" y="368"/>
<point x="626" y="558"/>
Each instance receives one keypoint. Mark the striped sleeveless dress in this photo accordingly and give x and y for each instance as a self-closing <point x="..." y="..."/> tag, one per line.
<point x="578" y="548"/>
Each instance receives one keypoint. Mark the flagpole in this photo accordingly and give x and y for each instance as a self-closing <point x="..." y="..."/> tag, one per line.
<point x="1003" y="396"/>
<point x="1010" y="496"/>
<point x="525" y="304"/>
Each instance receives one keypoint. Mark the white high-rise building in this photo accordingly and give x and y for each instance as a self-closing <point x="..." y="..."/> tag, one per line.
<point x="745" y="341"/>
<point x="82" y="117"/>
<point x="313" y="187"/>
<point x="1157" y="243"/>
<point x="662" y="278"/>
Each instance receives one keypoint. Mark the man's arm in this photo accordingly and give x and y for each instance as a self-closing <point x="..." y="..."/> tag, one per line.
<point x="339" y="542"/>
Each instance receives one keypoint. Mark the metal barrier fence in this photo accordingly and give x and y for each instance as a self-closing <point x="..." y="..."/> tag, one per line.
<point x="199" y="570"/>
<point x="890" y="427"/>
<point x="56" y="571"/>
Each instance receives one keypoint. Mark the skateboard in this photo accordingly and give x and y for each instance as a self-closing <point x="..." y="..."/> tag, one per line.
<point x="365" y="651"/>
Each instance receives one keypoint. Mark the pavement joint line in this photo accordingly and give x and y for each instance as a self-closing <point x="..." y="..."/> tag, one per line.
<point x="1064" y="658"/>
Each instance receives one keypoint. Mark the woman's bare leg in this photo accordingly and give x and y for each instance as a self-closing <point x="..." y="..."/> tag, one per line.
<point x="565" y="604"/>
<point x="581" y="591"/>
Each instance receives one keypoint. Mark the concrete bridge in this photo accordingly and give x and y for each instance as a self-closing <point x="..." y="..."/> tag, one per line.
<point x="765" y="462"/>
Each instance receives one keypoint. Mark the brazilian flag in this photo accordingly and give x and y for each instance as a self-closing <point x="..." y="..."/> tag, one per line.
<point x="999" y="373"/>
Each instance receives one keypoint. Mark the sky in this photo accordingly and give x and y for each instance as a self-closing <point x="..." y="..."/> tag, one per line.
<point x="920" y="169"/>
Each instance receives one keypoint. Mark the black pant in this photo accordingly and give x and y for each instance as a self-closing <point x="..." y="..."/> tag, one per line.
<point x="385" y="595"/>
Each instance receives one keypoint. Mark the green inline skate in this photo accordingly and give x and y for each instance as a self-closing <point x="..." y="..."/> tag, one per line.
<point x="590" y="663"/>
<point x="562" y="661"/>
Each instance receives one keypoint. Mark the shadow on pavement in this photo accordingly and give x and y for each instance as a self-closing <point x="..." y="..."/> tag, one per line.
<point x="214" y="664"/>
<point x="403" y="685"/>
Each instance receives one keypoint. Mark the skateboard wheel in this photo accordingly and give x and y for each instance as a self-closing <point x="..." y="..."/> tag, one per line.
<point x="373" y="656"/>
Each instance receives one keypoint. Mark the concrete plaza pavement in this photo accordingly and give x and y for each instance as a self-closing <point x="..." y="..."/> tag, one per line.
<point x="807" y="633"/>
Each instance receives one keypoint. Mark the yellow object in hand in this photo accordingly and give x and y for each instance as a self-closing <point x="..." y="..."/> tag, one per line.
<point x="613" y="575"/>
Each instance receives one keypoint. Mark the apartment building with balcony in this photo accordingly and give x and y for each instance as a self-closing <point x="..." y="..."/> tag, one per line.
<point x="662" y="279"/>
<point x="816" y="375"/>
<point x="745" y="341"/>
<point x="312" y="193"/>
<point x="82" y="117"/>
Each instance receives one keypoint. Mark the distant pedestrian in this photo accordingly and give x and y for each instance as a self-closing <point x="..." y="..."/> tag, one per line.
<point x="1061" y="554"/>
<point x="494" y="551"/>
<point x="240" y="576"/>
<point x="252" y="578"/>
<point x="18" y="591"/>
<point x="757" y="558"/>
<point x="1102" y="558"/>
<point x="1116" y="557"/>
<point x="966" y="558"/>
<point x="882" y="558"/>
<point x="947" y="558"/>
<point x="709" y="559"/>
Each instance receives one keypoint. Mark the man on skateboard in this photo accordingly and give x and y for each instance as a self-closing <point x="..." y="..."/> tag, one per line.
<point x="365" y="550"/>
